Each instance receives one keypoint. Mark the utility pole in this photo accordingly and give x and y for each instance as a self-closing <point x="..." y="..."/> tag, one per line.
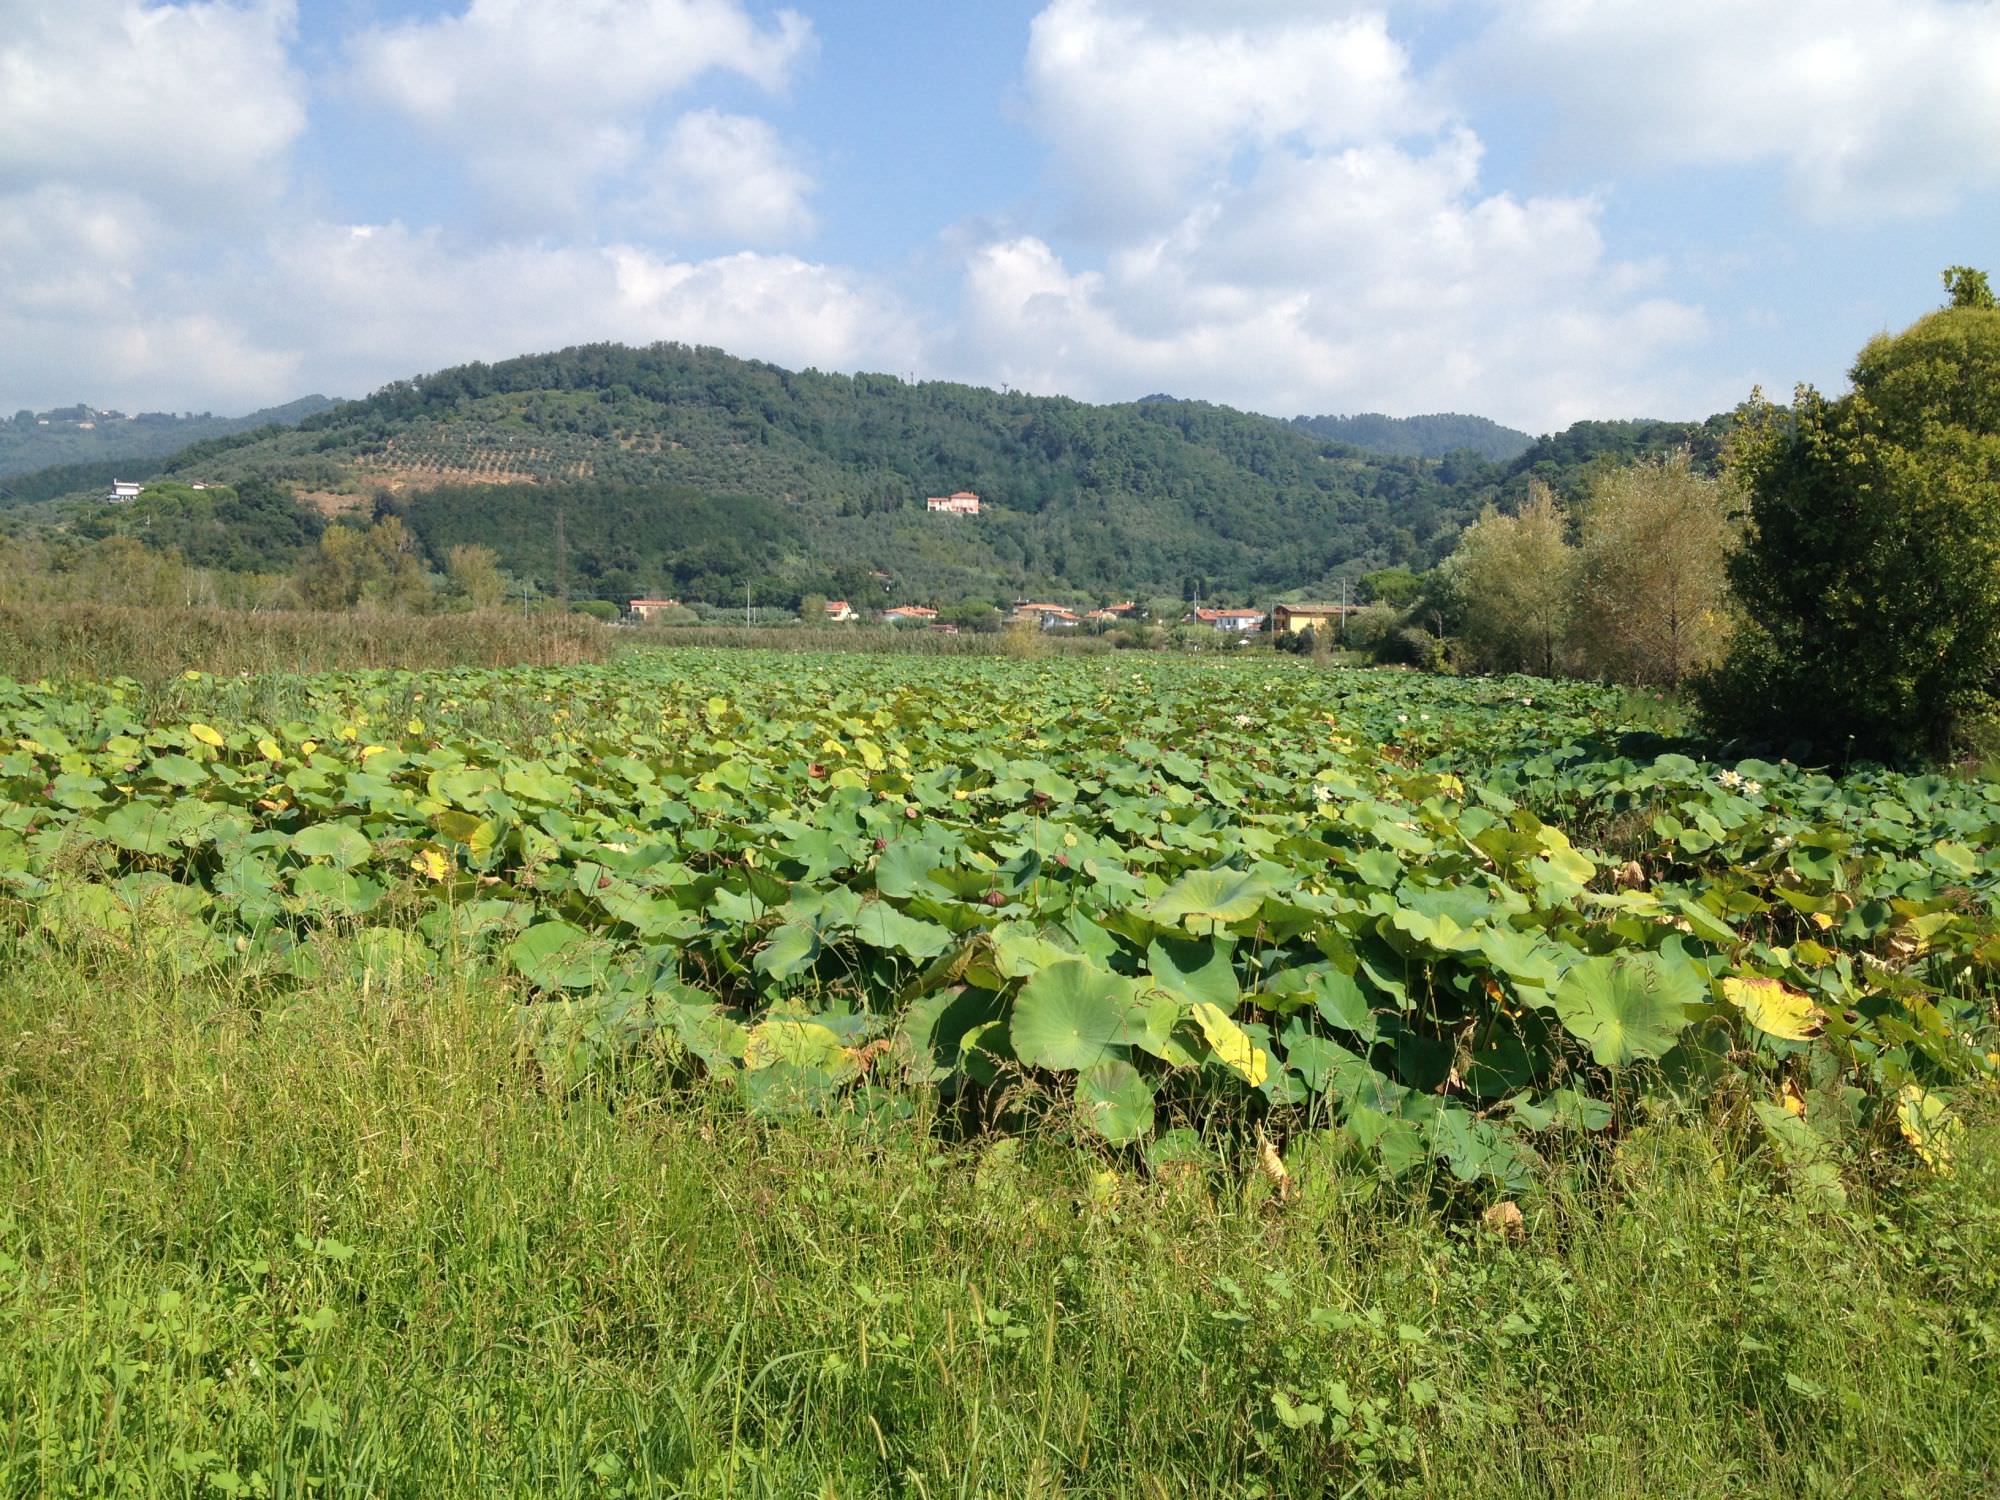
<point x="562" y="560"/>
<point x="746" y="606"/>
<point x="1343" y="609"/>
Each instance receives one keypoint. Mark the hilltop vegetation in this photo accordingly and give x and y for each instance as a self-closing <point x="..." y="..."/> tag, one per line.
<point x="87" y="445"/>
<point x="688" y="471"/>
<point x="1422" y="437"/>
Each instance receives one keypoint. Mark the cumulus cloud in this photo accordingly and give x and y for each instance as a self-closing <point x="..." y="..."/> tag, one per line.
<point x="1144" y="102"/>
<point x="1870" y="107"/>
<point x="345" y="308"/>
<point x="374" y="302"/>
<point x="1322" y="243"/>
<point x="86" y="316"/>
<point x="721" y="176"/>
<point x="542" y="100"/>
<point x="188" y="100"/>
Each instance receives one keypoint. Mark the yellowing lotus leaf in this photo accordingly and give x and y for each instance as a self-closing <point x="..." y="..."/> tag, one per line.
<point x="1929" y="1126"/>
<point x="1232" y="1045"/>
<point x="801" y="1043"/>
<point x="1775" y="1008"/>
<point x="207" y="734"/>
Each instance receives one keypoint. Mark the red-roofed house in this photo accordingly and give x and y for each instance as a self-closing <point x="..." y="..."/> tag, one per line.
<point x="839" y="611"/>
<point x="644" y="609"/>
<point x="963" y="503"/>
<point x="1040" y="614"/>
<point x="909" y="614"/>
<point x="1240" y="621"/>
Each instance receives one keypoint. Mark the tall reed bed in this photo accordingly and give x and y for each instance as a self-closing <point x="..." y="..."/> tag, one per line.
<point x="157" y="644"/>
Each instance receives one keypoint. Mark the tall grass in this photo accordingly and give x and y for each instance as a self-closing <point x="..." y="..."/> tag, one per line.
<point x="340" y="1240"/>
<point x="155" y="644"/>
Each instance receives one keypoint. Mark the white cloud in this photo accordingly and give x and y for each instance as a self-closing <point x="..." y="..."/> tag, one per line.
<point x="85" y="319"/>
<point x="543" y="99"/>
<point x="1870" y="107"/>
<point x="170" y="100"/>
<point x="374" y="303"/>
<point x="67" y="252"/>
<point x="1308" y="234"/>
<point x="1144" y="102"/>
<point x="345" y="308"/>
<point x="728" y="177"/>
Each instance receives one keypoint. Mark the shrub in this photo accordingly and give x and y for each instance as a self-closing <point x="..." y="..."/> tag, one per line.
<point x="1412" y="646"/>
<point x="1369" y="630"/>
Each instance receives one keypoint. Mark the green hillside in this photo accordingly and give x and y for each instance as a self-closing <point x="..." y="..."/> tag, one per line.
<point x="1421" y="437"/>
<point x="687" y="471"/>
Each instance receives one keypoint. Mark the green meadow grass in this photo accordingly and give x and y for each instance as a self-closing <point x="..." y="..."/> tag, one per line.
<point x="341" y="1241"/>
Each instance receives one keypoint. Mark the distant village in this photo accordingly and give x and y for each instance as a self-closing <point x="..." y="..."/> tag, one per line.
<point x="1282" y="619"/>
<point x="81" y="418"/>
<point x="1239" y="623"/>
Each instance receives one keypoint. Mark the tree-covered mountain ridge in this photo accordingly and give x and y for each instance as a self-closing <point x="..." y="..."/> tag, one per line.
<point x="33" y="441"/>
<point x="687" y="470"/>
<point x="1432" y="436"/>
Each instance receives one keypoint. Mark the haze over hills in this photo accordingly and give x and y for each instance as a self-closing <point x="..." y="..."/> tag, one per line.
<point x="688" y="471"/>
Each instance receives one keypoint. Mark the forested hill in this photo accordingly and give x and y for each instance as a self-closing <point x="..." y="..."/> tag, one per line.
<point x="1421" y="437"/>
<point x="78" y="436"/>
<point x="687" y="471"/>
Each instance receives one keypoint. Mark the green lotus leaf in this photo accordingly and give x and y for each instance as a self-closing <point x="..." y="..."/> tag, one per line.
<point x="556" y="955"/>
<point x="1211" y="896"/>
<point x="1116" y="1101"/>
<point x="709" y="1034"/>
<point x="1629" y="1007"/>
<point x="1070" y="1016"/>
<point x="335" y="892"/>
<point x="535" y="783"/>
<point x="336" y="843"/>
<point x="1318" y="1062"/>
<point x="880" y="925"/>
<point x="1196" y="969"/>
<point x="177" y="770"/>
<point x="1150" y="1024"/>
<point x="791" y="951"/>
<point x="140" y="827"/>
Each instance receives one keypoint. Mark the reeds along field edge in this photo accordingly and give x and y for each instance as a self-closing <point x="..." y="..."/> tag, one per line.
<point x="89" y="641"/>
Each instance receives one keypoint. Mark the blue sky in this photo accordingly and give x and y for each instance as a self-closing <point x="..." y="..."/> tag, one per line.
<point x="1538" y="210"/>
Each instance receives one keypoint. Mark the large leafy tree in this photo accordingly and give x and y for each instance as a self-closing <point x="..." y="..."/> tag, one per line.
<point x="1871" y="570"/>
<point x="1652" y="600"/>
<point x="1514" y="575"/>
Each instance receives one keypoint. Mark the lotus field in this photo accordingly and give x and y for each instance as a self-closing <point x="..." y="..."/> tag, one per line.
<point x="1182" y="910"/>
